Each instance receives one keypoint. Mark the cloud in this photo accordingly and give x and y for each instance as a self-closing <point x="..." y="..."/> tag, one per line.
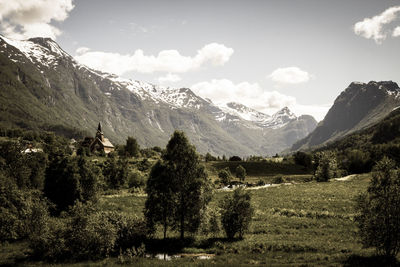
<point x="22" y="19"/>
<point x="166" y="60"/>
<point x="82" y="50"/>
<point x="222" y="91"/>
<point x="250" y="94"/>
<point x="373" y="28"/>
<point x="173" y="78"/>
<point x="290" y="75"/>
<point x="396" y="32"/>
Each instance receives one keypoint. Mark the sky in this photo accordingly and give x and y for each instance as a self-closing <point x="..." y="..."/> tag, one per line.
<point x="265" y="54"/>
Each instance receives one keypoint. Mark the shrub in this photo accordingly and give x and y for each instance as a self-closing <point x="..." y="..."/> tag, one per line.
<point x="279" y="180"/>
<point x="131" y="231"/>
<point x="210" y="223"/>
<point x="20" y="211"/>
<point x="70" y="179"/>
<point x="326" y="166"/>
<point x="225" y="176"/>
<point x="236" y="213"/>
<point x="115" y="172"/>
<point x="84" y="234"/>
<point x="136" y="180"/>
<point x="260" y="183"/>
<point x="234" y="158"/>
<point x="241" y="173"/>
<point x="303" y="159"/>
<point x="144" y="165"/>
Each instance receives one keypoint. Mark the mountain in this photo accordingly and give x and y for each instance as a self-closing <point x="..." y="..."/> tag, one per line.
<point x="359" y="106"/>
<point x="43" y="87"/>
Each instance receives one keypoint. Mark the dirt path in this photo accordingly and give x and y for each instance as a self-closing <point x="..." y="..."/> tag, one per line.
<point x="227" y="189"/>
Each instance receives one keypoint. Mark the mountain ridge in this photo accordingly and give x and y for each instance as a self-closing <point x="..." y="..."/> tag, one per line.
<point x="54" y="88"/>
<point x="358" y="107"/>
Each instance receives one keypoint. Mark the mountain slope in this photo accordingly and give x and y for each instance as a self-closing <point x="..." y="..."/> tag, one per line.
<point x="42" y="87"/>
<point x="358" y="107"/>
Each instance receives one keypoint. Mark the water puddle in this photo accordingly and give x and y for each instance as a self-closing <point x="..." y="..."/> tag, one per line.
<point x="166" y="257"/>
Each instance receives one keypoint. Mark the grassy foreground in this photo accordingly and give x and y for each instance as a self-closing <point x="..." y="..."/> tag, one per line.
<point x="300" y="224"/>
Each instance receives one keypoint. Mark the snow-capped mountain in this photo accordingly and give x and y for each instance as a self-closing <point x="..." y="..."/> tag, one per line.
<point x="40" y="79"/>
<point x="277" y="120"/>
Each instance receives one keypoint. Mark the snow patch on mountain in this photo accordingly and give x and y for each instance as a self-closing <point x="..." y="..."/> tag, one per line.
<point x="277" y="120"/>
<point x="37" y="50"/>
<point x="46" y="52"/>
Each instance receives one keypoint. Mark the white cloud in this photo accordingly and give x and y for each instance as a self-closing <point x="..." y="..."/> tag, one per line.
<point x="23" y="19"/>
<point x="222" y="91"/>
<point x="289" y="75"/>
<point x="373" y="28"/>
<point x="170" y="77"/>
<point x="249" y="94"/>
<point x="396" y="32"/>
<point x="165" y="61"/>
<point x="82" y="50"/>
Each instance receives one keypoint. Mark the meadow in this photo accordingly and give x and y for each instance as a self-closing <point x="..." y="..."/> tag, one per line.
<point x="300" y="224"/>
<point x="303" y="223"/>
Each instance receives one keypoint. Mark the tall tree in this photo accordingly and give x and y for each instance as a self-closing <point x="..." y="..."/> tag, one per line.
<point x="190" y="182"/>
<point x="379" y="208"/>
<point x="161" y="198"/>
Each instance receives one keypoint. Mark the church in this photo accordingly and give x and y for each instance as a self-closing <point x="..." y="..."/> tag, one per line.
<point x="100" y="143"/>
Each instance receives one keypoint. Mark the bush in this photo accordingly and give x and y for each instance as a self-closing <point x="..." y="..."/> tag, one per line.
<point x="86" y="234"/>
<point x="279" y="180"/>
<point x="136" y="180"/>
<point x="19" y="211"/>
<point x="236" y="213"/>
<point x="379" y="208"/>
<point x="241" y="173"/>
<point x="115" y="173"/>
<point x="131" y="231"/>
<point x="70" y="179"/>
<point x="144" y="165"/>
<point x="210" y="223"/>
<point x="225" y="176"/>
<point x="260" y="183"/>
<point x="326" y="166"/>
<point x="303" y="159"/>
<point x="234" y="158"/>
<point x="357" y="161"/>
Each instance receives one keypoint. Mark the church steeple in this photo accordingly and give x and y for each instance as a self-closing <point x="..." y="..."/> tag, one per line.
<point x="99" y="133"/>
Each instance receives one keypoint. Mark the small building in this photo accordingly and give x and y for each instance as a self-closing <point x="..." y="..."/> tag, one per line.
<point x="100" y="143"/>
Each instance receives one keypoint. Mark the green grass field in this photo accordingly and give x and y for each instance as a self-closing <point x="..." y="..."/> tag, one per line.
<point x="301" y="224"/>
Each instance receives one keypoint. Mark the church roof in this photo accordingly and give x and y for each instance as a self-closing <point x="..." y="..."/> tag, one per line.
<point x="106" y="143"/>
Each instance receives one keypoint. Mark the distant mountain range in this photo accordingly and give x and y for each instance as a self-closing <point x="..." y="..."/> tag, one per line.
<point x="358" y="107"/>
<point x="43" y="87"/>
